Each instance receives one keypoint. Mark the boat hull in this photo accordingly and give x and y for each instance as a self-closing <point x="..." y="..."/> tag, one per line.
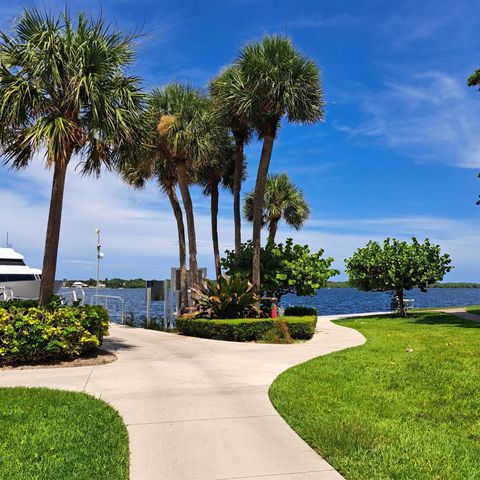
<point x="28" y="289"/>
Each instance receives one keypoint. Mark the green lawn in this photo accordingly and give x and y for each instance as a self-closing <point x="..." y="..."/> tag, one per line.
<point x="473" y="309"/>
<point x="379" y="412"/>
<point x="56" y="435"/>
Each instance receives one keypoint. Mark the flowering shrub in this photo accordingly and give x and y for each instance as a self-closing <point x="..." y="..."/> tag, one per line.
<point x="30" y="334"/>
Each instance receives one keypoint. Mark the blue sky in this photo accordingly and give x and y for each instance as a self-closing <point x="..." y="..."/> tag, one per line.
<point x="397" y="155"/>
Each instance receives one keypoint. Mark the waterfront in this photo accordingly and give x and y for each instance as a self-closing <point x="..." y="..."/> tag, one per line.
<point x="328" y="301"/>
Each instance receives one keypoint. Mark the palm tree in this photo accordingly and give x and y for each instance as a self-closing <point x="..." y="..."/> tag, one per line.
<point x="224" y="91"/>
<point x="64" y="92"/>
<point x="279" y="82"/>
<point x="282" y="200"/>
<point x="218" y="170"/>
<point x="186" y="131"/>
<point x="150" y="163"/>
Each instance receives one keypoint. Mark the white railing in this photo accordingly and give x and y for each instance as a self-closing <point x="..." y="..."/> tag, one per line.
<point x="6" y="294"/>
<point x="77" y="295"/>
<point x="112" y="298"/>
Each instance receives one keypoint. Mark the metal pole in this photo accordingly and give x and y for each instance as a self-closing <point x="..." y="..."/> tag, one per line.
<point x="98" y="258"/>
<point x="149" y="305"/>
<point x="165" y="301"/>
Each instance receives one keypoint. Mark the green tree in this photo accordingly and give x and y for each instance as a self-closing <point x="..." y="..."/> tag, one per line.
<point x="286" y="267"/>
<point x="226" y="92"/>
<point x="474" y="79"/>
<point x="282" y="200"/>
<point x="278" y="82"/>
<point x="64" y="91"/>
<point x="397" y="266"/>
<point x="152" y="163"/>
<point x="215" y="172"/>
<point x="187" y="129"/>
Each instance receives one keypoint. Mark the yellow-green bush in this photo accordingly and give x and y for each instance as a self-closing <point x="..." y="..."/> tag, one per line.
<point x="36" y="333"/>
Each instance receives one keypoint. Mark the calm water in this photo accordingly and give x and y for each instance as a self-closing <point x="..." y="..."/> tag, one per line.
<point x="327" y="301"/>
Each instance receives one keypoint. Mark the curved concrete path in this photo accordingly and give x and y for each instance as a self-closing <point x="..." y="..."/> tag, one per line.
<point x="199" y="409"/>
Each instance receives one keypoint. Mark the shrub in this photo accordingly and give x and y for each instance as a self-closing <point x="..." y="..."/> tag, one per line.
<point x="286" y="268"/>
<point x="16" y="303"/>
<point x="37" y="334"/>
<point x="299" y="311"/>
<point x="246" y="329"/>
<point x="228" y="297"/>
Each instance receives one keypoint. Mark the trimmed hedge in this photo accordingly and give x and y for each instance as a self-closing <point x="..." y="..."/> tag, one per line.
<point x="245" y="329"/>
<point x="299" y="311"/>
<point x="34" y="334"/>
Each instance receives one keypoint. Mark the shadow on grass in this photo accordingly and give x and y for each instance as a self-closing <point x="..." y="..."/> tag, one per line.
<point x="432" y="318"/>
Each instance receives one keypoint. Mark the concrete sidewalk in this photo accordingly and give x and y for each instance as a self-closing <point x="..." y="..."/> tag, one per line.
<point x="199" y="409"/>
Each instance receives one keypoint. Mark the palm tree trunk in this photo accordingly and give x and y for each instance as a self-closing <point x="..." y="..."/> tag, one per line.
<point x="47" y="283"/>
<point x="187" y="204"/>
<point x="237" y="184"/>
<point x="272" y="229"/>
<point x="182" y="252"/>
<point x="258" y="205"/>
<point x="214" y="214"/>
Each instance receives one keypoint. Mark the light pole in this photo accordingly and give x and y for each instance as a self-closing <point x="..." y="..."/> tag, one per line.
<point x="99" y="257"/>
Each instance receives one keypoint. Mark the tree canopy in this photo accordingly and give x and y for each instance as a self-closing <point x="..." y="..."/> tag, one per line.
<point x="283" y="200"/>
<point x="286" y="268"/>
<point x="397" y="266"/>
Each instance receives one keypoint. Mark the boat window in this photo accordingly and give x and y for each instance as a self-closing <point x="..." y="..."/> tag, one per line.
<point x="11" y="261"/>
<point x="16" y="277"/>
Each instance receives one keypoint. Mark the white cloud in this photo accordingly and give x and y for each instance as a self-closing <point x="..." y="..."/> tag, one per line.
<point x="431" y="116"/>
<point x="139" y="233"/>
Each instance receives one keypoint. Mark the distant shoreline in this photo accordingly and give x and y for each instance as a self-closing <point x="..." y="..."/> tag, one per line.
<point x="438" y="285"/>
<point x="140" y="283"/>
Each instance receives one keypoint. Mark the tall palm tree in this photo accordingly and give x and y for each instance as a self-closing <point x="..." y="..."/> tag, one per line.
<point x="282" y="200"/>
<point x="218" y="171"/>
<point x="186" y="131"/>
<point x="224" y="91"/>
<point x="148" y="164"/>
<point x="64" y="92"/>
<point x="279" y="82"/>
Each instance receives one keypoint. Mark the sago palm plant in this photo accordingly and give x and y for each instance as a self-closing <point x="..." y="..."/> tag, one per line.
<point x="64" y="92"/>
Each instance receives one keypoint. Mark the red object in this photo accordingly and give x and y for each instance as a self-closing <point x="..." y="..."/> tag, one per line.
<point x="274" y="311"/>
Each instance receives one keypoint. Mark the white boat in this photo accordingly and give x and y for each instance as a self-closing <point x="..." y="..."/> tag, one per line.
<point x="79" y="285"/>
<point x="18" y="277"/>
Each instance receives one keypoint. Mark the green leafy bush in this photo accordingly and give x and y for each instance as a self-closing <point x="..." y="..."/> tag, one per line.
<point x="299" y="311"/>
<point x="228" y="297"/>
<point x="246" y="329"/>
<point x="37" y="334"/>
<point x="286" y="268"/>
<point x="16" y="303"/>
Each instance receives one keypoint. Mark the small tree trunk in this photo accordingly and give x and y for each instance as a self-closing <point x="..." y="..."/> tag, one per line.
<point x="237" y="184"/>
<point x="52" y="239"/>
<point x="187" y="204"/>
<point x="214" y="214"/>
<point x="258" y="200"/>
<point x="272" y="229"/>
<point x="182" y="251"/>
<point x="401" y="303"/>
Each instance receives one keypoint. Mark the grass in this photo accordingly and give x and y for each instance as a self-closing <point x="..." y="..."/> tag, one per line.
<point x="473" y="309"/>
<point x="58" y="435"/>
<point x="380" y="411"/>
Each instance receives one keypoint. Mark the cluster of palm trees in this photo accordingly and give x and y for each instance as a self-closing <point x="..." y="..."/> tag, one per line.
<point x="64" y="92"/>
